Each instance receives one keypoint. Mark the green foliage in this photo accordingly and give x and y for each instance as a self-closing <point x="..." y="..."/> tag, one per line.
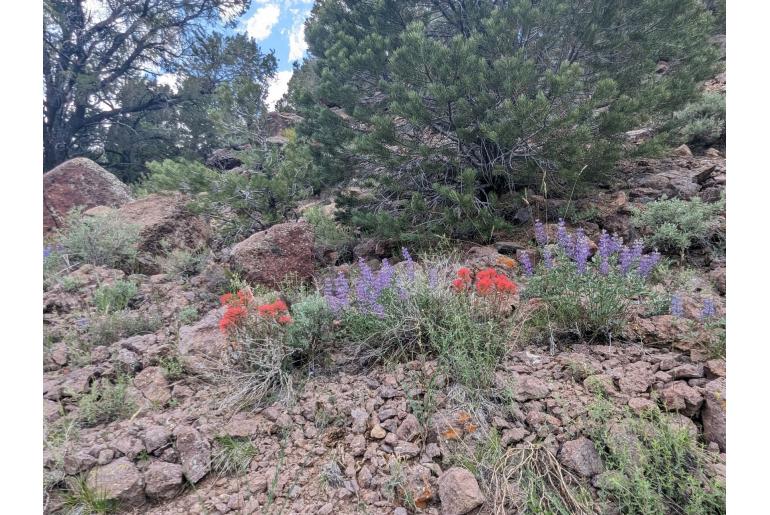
<point x="327" y="232"/>
<point x="653" y="466"/>
<point x="186" y="176"/>
<point x="183" y="263"/>
<point x="188" y="315"/>
<point x="81" y="498"/>
<point x="466" y="333"/>
<point x="107" y="328"/>
<point x="117" y="296"/>
<point x="701" y="122"/>
<point x="589" y="305"/>
<point x="55" y="267"/>
<point x="453" y="111"/>
<point x="240" y="203"/>
<point x="232" y="456"/>
<point x="172" y="367"/>
<point x="311" y="327"/>
<point x="103" y="240"/>
<point x="675" y="225"/>
<point x="105" y="402"/>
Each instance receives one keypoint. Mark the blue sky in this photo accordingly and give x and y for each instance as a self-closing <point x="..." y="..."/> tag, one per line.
<point x="278" y="25"/>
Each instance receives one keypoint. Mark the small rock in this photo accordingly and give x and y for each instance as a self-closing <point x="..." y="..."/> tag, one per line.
<point x="679" y="396"/>
<point x="378" y="432"/>
<point x="682" y="151"/>
<point x="581" y="456"/>
<point x="714" y="413"/>
<point x="194" y="452"/>
<point x="360" y="418"/>
<point x="687" y="371"/>
<point x="162" y="480"/>
<point x="715" y="368"/>
<point x="358" y="445"/>
<point x="406" y="449"/>
<point x="120" y="481"/>
<point x="639" y="404"/>
<point x="155" y="437"/>
<point x="153" y="384"/>
<point x="409" y="428"/>
<point x="459" y="492"/>
<point x="530" y="388"/>
<point x="511" y="436"/>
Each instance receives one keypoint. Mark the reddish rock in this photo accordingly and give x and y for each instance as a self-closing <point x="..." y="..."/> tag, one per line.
<point x="459" y="492"/>
<point x="152" y="383"/>
<point x="581" y="456"/>
<point x="202" y="341"/>
<point x="714" y="414"/>
<point x="82" y="183"/>
<point x="268" y="257"/>
<point x="194" y="453"/>
<point x="679" y="396"/>
<point x="163" y="480"/>
<point x="120" y="481"/>
<point x="166" y="223"/>
<point x="636" y="379"/>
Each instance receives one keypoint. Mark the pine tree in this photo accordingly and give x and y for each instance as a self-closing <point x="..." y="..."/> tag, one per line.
<point x="521" y="92"/>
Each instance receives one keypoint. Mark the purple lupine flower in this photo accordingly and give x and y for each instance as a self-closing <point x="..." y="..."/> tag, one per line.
<point x="409" y="264"/>
<point x="564" y="239"/>
<point x="336" y="293"/>
<point x="582" y="250"/>
<point x="47" y="251"/>
<point x="604" y="266"/>
<point x="526" y="264"/>
<point x="541" y="236"/>
<point x="547" y="259"/>
<point x="82" y="322"/>
<point x="626" y="260"/>
<point x="616" y="243"/>
<point x="646" y="264"/>
<point x="637" y="249"/>
<point x="605" y="245"/>
<point x="709" y="309"/>
<point x="433" y="278"/>
<point x="676" y="308"/>
<point x="384" y="277"/>
<point x="366" y="272"/>
<point x="403" y="294"/>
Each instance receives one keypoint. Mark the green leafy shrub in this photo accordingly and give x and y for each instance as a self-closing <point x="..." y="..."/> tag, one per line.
<point x="105" y="402"/>
<point x="232" y="456"/>
<point x="183" y="263"/>
<point x="653" y="466"/>
<point x="117" y="296"/>
<point x="188" y="315"/>
<point x="675" y="225"/>
<point x="440" y="93"/>
<point x="310" y="329"/>
<point x="172" y="367"/>
<point x="107" y="328"/>
<point x="587" y="299"/>
<point x="701" y="122"/>
<point x="240" y="202"/>
<point x="327" y="232"/>
<point x="103" y="240"/>
<point x="402" y="315"/>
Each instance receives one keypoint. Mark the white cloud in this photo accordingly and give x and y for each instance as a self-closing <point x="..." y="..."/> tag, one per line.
<point x="277" y="87"/>
<point x="261" y="23"/>
<point x="297" y="43"/>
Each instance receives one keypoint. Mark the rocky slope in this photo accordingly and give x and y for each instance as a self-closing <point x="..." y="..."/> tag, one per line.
<point x="390" y="439"/>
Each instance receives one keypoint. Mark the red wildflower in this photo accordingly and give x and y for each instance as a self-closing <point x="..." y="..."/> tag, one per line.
<point x="504" y="285"/>
<point x="458" y="285"/>
<point x="245" y="296"/>
<point x="224" y="299"/>
<point x="272" y="309"/>
<point x="483" y="285"/>
<point x="464" y="274"/>
<point x="232" y="316"/>
<point x="487" y="273"/>
<point x="284" y="319"/>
